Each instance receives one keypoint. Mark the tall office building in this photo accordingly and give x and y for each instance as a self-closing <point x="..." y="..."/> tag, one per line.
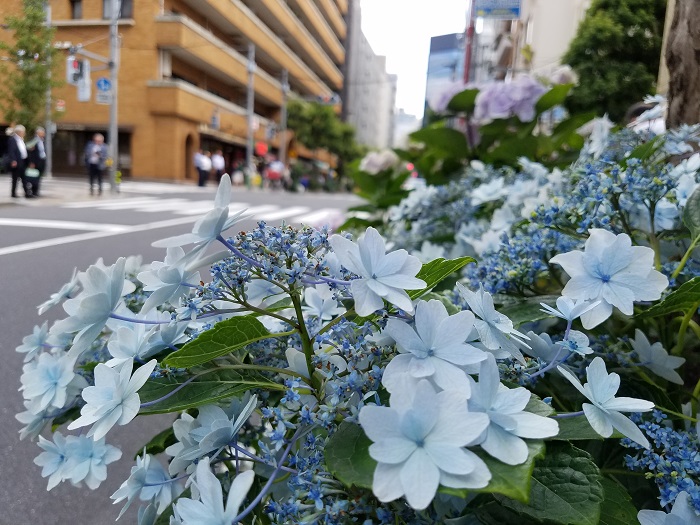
<point x="183" y="74"/>
<point x="445" y="67"/>
<point x="371" y="91"/>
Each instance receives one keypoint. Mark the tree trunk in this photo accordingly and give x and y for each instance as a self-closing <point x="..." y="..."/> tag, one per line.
<point x="683" y="58"/>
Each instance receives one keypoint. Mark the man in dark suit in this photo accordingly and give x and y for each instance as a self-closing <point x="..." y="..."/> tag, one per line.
<point x="17" y="154"/>
<point x="37" y="158"/>
<point x="96" y="153"/>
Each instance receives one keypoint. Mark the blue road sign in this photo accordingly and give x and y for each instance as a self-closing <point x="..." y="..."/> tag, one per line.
<point x="498" y="9"/>
<point x="104" y="84"/>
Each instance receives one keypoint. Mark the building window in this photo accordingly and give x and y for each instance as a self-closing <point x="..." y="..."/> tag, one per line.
<point x="76" y="9"/>
<point x="126" y="10"/>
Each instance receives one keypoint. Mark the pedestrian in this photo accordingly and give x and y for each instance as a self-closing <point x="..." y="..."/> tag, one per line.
<point x="37" y="158"/>
<point x="96" y="161"/>
<point x="17" y="154"/>
<point x="218" y="164"/>
<point x="204" y="168"/>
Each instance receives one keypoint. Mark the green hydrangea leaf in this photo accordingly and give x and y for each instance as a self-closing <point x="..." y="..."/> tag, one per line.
<point x="687" y="296"/>
<point x="435" y="271"/>
<point x="566" y="488"/>
<point x="213" y="386"/>
<point x="617" y="508"/>
<point x="347" y="456"/>
<point x="226" y="337"/>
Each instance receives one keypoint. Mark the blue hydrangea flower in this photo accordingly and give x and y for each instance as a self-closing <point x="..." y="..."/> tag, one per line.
<point x="34" y="343"/>
<point x="50" y="381"/>
<point x="682" y="513"/>
<point x="169" y="280"/>
<point x="381" y="275"/>
<point x="114" y="398"/>
<point x="209" y="509"/>
<point x="604" y="412"/>
<point x="656" y="358"/>
<point x="434" y="350"/>
<point x="508" y="420"/>
<point x="418" y="443"/>
<point x="66" y="291"/>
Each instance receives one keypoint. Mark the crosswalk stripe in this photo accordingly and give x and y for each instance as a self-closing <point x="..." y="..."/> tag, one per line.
<point x="109" y="202"/>
<point x="282" y="213"/>
<point x="162" y="205"/>
<point x="319" y="217"/>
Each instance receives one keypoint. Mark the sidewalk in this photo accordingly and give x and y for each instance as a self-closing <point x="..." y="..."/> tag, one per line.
<point x="60" y="189"/>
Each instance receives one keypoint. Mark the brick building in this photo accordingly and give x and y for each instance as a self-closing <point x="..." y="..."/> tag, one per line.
<point x="183" y="74"/>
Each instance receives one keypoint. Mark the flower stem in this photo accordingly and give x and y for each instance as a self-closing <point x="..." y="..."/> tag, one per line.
<point x="678" y="349"/>
<point x="273" y="476"/>
<point x="685" y="258"/>
<point x="238" y="253"/>
<point x="568" y="415"/>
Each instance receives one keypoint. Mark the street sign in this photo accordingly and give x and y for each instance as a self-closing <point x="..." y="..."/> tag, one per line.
<point x="104" y="91"/>
<point x="60" y="105"/>
<point x="104" y="84"/>
<point x="498" y="9"/>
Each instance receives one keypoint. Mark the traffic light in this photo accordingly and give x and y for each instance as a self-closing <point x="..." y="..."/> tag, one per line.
<point x="75" y="69"/>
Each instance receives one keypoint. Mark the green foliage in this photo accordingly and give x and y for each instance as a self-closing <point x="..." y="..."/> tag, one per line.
<point x="226" y="337"/>
<point x="527" y="310"/>
<point x="577" y="429"/>
<point x="347" y="456"/>
<point x="566" y="488"/>
<point x="617" y="508"/>
<point x="683" y="299"/>
<point x="616" y="55"/>
<point x="27" y="74"/>
<point x="215" y="384"/>
<point x="318" y="127"/>
<point x="444" y="150"/>
<point x="159" y="442"/>
<point x="436" y="271"/>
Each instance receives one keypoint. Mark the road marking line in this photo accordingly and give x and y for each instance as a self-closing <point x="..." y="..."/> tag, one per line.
<point x="129" y="201"/>
<point x="63" y="225"/>
<point x="94" y="235"/>
<point x="316" y="217"/>
<point x="284" y="212"/>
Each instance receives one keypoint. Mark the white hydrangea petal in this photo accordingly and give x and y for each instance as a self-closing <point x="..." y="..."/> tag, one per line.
<point x="504" y="446"/>
<point x="627" y="428"/>
<point x="598" y="420"/>
<point x="420" y="478"/>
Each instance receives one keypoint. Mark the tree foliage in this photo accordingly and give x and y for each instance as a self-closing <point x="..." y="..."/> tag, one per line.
<point x="616" y="55"/>
<point x="27" y="70"/>
<point x="318" y="127"/>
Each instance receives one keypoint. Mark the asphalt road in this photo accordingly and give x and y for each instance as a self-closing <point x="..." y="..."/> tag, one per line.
<point x="41" y="241"/>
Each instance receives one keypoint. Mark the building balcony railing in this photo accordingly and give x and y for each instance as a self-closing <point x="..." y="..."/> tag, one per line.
<point x="233" y="18"/>
<point x="177" y="98"/>
<point x="193" y="44"/>
<point x="322" y="29"/>
<point x="280" y="18"/>
<point x="332" y="10"/>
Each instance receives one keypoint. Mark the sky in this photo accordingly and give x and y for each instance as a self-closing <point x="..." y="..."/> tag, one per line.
<point x="401" y="30"/>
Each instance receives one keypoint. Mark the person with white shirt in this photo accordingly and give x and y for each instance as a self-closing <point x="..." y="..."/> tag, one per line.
<point x="218" y="164"/>
<point x="17" y="154"/>
<point x="204" y="168"/>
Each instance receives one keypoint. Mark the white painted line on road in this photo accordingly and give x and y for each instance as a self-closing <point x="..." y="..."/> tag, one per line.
<point x="317" y="217"/>
<point x="284" y="212"/>
<point x="63" y="225"/>
<point x="109" y="202"/>
<point x="162" y="205"/>
<point x="94" y="235"/>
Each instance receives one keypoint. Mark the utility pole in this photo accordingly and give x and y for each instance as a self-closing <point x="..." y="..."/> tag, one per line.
<point x="250" y="108"/>
<point x="469" y="47"/>
<point x="283" y="118"/>
<point x="113" y="109"/>
<point x="48" y="125"/>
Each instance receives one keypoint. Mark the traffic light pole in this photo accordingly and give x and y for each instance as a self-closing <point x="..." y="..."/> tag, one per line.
<point x="113" y="109"/>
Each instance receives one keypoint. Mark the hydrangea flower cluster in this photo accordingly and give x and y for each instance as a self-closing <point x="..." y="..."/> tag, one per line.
<point x="316" y="377"/>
